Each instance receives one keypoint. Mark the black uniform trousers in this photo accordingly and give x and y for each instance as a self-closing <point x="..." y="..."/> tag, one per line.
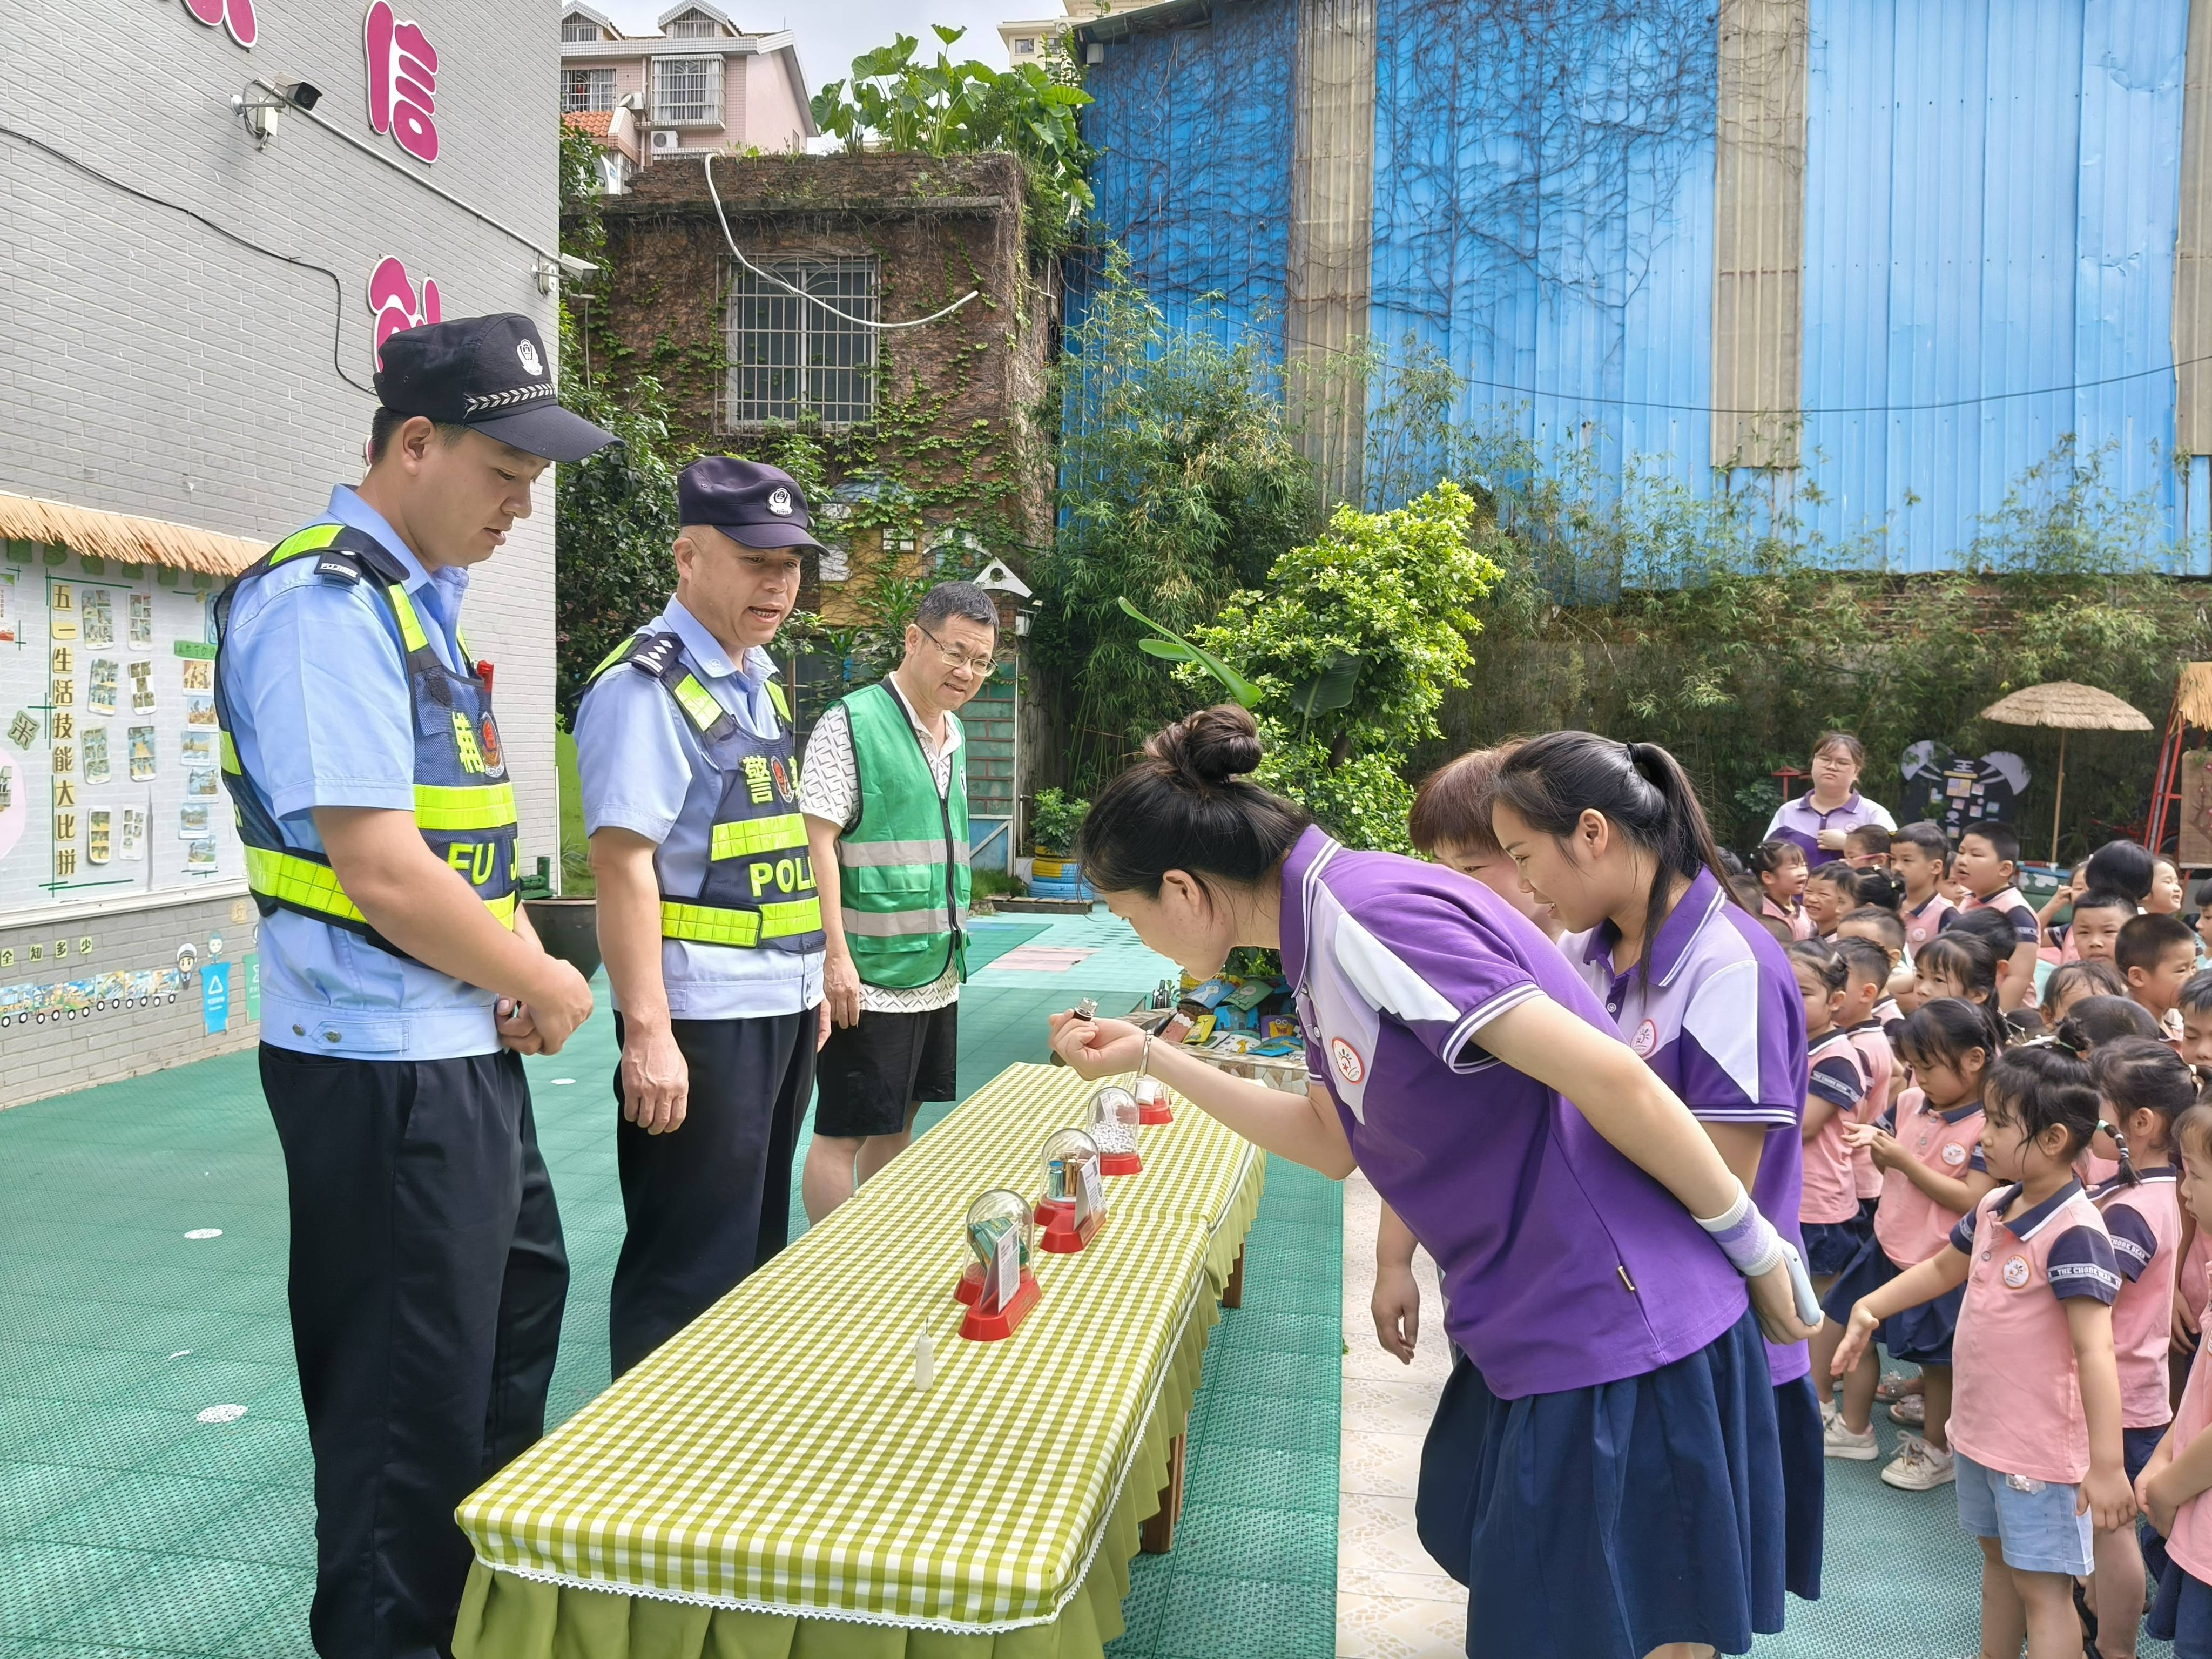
<point x="710" y="1201"/>
<point x="428" y="1278"/>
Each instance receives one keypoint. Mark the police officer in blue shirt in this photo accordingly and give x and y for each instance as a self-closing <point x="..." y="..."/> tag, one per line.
<point x="402" y="982"/>
<point x="709" y="920"/>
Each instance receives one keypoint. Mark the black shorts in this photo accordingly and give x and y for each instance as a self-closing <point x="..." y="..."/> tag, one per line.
<point x="868" y="1074"/>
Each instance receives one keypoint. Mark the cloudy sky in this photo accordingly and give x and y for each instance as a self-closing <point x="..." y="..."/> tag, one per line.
<point x="832" y="32"/>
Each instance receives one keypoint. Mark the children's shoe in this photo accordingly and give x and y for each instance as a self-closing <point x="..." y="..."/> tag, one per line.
<point x="1830" y="1411"/>
<point x="1895" y="1385"/>
<point x="1911" y="1410"/>
<point x="1837" y="1441"/>
<point x="1919" y="1467"/>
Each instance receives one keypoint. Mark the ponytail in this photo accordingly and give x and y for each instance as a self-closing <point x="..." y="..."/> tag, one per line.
<point x="1642" y="791"/>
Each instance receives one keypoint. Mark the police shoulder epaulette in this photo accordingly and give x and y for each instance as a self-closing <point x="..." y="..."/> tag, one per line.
<point x="657" y="654"/>
<point x="339" y="567"/>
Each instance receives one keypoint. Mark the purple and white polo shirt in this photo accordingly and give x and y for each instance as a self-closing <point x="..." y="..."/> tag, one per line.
<point x="1721" y="1022"/>
<point x="1802" y="822"/>
<point x="1564" y="1265"/>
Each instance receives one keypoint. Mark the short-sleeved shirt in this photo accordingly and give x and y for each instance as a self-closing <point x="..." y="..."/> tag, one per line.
<point x="1922" y="922"/>
<point x="315" y="681"/>
<point x="2189" y="1543"/>
<point x="1720" y="1020"/>
<point x="1794" y="919"/>
<point x="2007" y="903"/>
<point x="1911" y="1226"/>
<point x="2016" y="1399"/>
<point x="829" y="787"/>
<point x="1878" y="1061"/>
<point x="1833" y="1074"/>
<point x="1800" y="821"/>
<point x="2144" y="1219"/>
<point x="1564" y="1265"/>
<point x="641" y="768"/>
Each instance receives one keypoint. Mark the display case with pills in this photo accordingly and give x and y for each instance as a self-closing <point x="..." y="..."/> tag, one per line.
<point x="1113" y="1119"/>
<point x="1073" y="1206"/>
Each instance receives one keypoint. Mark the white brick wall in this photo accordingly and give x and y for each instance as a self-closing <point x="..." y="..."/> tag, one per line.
<point x="148" y="366"/>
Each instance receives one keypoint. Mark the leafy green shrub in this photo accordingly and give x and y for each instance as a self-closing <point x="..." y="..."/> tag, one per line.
<point x="1055" y="819"/>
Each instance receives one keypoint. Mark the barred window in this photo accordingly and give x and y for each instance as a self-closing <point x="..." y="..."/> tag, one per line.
<point x="586" y="89"/>
<point x="790" y="356"/>
<point x="579" y="29"/>
<point x="687" y="91"/>
<point x="694" y="26"/>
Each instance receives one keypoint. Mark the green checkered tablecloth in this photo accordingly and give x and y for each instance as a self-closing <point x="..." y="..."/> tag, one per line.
<point x="772" y="1485"/>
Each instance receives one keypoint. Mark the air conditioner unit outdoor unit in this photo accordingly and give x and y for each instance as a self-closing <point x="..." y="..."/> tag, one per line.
<point x="663" y="139"/>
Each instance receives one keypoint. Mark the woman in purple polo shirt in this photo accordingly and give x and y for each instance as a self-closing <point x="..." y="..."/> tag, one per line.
<point x="1610" y="834"/>
<point x="1818" y="819"/>
<point x="1605" y="1475"/>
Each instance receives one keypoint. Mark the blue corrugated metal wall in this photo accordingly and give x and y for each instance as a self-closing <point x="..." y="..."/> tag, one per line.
<point x="1992" y="197"/>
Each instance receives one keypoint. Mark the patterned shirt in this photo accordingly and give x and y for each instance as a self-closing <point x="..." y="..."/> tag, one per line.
<point x="829" y="787"/>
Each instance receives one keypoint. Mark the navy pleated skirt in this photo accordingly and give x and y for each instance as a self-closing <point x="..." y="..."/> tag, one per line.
<point x="1919" y="1336"/>
<point x="1603" y="1523"/>
<point x="1802" y="1435"/>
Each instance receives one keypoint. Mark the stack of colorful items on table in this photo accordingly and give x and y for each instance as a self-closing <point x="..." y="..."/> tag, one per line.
<point x="1236" y="1016"/>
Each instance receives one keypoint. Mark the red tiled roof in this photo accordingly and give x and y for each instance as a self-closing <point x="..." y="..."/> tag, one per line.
<point x="593" y="122"/>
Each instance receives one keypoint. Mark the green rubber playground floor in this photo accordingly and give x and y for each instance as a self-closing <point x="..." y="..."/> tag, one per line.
<point x="140" y="1512"/>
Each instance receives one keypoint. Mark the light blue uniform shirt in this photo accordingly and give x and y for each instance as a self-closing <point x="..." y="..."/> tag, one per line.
<point x="316" y="680"/>
<point x="642" y="768"/>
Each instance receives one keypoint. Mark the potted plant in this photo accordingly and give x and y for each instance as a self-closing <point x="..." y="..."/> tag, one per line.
<point x="1053" y="820"/>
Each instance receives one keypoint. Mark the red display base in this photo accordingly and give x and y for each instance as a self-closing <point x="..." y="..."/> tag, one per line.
<point x="1120" y="1164"/>
<point x="1154" y="1113"/>
<point x="1060" y="1235"/>
<point x="981" y="1326"/>
<point x="969" y="1287"/>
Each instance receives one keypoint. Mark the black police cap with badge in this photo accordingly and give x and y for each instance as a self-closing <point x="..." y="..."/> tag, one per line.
<point x="759" y="505"/>
<point x="491" y="374"/>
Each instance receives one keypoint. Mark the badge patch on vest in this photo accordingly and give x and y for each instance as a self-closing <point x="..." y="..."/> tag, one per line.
<point x="2015" y="1273"/>
<point x="345" y="570"/>
<point x="494" y="759"/>
<point x="1954" y="1154"/>
<point x="783" y="788"/>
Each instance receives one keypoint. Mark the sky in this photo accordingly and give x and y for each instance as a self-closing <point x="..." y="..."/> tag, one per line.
<point x="830" y="33"/>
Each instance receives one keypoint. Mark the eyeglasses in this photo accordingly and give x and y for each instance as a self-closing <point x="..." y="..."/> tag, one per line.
<point x="982" y="664"/>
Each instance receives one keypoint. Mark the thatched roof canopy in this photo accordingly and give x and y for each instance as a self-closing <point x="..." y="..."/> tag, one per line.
<point x="121" y="537"/>
<point x="2064" y="706"/>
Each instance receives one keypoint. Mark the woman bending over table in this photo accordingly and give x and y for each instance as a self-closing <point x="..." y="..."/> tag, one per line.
<point x="1605" y="1477"/>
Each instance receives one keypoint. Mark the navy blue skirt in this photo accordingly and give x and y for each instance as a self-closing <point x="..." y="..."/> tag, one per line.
<point x="1831" y="1246"/>
<point x="2182" y="1614"/>
<point x="2136" y="1446"/>
<point x="1605" y="1521"/>
<point x="1919" y="1336"/>
<point x="1800" y="1434"/>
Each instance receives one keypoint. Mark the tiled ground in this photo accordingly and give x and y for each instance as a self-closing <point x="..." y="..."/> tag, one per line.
<point x="128" y="1526"/>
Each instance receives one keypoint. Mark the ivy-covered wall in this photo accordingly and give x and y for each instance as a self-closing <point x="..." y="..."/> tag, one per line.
<point x="953" y="454"/>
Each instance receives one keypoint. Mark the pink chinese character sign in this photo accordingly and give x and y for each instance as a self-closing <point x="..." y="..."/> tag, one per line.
<point x="236" y="16"/>
<point x="403" y="78"/>
<point x="392" y="297"/>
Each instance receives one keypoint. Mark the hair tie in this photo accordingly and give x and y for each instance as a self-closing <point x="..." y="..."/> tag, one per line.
<point x="1629" y="750"/>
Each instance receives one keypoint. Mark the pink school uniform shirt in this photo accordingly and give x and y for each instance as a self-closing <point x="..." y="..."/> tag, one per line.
<point x="1794" y="919"/>
<point x="1879" y="1062"/>
<point x="2189" y="1543"/>
<point x="2017" y="1403"/>
<point x="1911" y="1226"/>
<point x="2145" y="1222"/>
<point x="1829" y="1192"/>
<point x="2194" y="1276"/>
<point x="1923" y="923"/>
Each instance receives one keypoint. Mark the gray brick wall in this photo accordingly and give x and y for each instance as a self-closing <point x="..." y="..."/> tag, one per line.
<point x="148" y="366"/>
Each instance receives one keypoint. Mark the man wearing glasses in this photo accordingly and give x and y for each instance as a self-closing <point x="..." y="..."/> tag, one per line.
<point x="885" y="791"/>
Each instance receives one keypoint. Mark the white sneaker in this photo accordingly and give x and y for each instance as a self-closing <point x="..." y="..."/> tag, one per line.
<point x="1911" y="1410"/>
<point x="1829" y="1412"/>
<point x="1919" y="1467"/>
<point x="1837" y="1441"/>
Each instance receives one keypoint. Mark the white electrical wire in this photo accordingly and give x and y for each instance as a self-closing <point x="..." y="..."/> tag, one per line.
<point x="843" y="317"/>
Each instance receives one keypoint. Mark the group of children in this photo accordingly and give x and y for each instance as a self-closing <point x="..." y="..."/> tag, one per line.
<point x="2011" y="1188"/>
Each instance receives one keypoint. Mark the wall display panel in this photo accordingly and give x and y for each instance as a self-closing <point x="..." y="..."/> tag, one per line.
<point x="110" y="759"/>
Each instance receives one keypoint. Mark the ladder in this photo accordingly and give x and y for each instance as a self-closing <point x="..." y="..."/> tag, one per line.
<point x="2192" y="712"/>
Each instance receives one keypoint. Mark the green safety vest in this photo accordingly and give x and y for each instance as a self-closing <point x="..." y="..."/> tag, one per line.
<point x="903" y="867"/>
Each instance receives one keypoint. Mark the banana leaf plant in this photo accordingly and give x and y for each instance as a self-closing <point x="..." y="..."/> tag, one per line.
<point x="1171" y="646"/>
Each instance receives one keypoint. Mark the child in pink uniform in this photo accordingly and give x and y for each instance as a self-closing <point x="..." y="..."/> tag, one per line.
<point x="2036" y="1424"/>
<point x="1781" y="869"/>
<point x="2171" y="1487"/>
<point x="1932" y="1174"/>
<point x="1866" y="970"/>
<point x="2141" y="1087"/>
<point x="1835" y="1087"/>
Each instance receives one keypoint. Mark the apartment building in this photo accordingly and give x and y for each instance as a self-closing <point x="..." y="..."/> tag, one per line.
<point x="701" y="84"/>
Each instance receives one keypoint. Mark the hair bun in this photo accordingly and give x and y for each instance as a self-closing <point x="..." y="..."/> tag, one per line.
<point x="1210" y="747"/>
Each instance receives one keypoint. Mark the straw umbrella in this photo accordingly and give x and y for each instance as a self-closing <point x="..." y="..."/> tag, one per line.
<point x="2065" y="707"/>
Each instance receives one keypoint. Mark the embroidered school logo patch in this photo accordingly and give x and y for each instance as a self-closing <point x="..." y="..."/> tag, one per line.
<point x="1954" y="1154"/>
<point x="2015" y="1273"/>
<point x="1346" y="1060"/>
<point x="1645" y="1039"/>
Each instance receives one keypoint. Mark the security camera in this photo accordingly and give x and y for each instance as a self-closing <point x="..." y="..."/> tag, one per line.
<point x="301" y="94"/>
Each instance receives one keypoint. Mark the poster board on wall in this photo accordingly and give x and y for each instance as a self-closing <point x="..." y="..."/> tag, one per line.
<point x="109" y="753"/>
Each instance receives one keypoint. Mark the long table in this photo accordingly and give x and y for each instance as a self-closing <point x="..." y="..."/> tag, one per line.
<point x="773" y="1484"/>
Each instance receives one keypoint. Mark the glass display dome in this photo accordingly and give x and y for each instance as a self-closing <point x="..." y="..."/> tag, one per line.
<point x="1074" y="1201"/>
<point x="1153" y="1101"/>
<point x="1115" y="1116"/>
<point x="997" y="1285"/>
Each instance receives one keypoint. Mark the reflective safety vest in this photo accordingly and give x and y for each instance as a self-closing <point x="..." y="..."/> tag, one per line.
<point x="903" y="866"/>
<point x="759" y="887"/>
<point x="464" y="802"/>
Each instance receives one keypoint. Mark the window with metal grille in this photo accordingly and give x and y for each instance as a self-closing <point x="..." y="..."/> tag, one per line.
<point x="790" y="356"/>
<point x="693" y="25"/>
<point x="687" y="92"/>
<point x="579" y="29"/>
<point x="586" y="89"/>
